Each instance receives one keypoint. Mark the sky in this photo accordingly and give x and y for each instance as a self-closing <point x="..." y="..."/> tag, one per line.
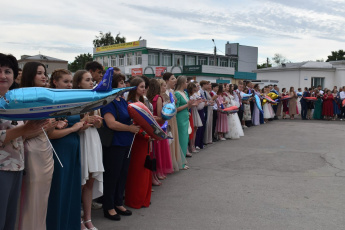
<point x="299" y="30"/>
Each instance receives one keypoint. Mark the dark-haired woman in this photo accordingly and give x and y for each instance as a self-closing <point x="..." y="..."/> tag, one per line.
<point x="139" y="179"/>
<point x="12" y="148"/>
<point x="39" y="163"/>
<point x="65" y="194"/>
<point x="161" y="148"/>
<point x="116" y="158"/>
<point x="91" y="153"/>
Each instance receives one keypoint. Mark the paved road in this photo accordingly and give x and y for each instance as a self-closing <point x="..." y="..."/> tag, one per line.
<point x="282" y="175"/>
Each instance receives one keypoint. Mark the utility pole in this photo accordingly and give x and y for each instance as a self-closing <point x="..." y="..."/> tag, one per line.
<point x="267" y="63"/>
<point x="215" y="53"/>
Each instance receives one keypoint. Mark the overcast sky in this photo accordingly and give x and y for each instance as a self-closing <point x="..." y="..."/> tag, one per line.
<point x="299" y="30"/>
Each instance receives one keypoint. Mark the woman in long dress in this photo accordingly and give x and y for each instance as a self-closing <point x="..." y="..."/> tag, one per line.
<point x="292" y="103"/>
<point x="327" y="106"/>
<point x="182" y="104"/>
<point x="139" y="179"/>
<point x="39" y="163"/>
<point x="12" y="148"/>
<point x="317" y="115"/>
<point x="65" y="194"/>
<point x="161" y="148"/>
<point x="256" y="111"/>
<point x="208" y="127"/>
<point x="234" y="124"/>
<point x="91" y="152"/>
<point x="222" y="118"/>
<point x="192" y="93"/>
<point x="177" y="157"/>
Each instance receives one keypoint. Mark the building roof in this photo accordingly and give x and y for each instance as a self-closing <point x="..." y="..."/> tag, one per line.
<point x="41" y="58"/>
<point x="298" y="65"/>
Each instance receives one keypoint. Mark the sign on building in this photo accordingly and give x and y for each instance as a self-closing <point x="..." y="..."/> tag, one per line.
<point x="192" y="69"/>
<point x="137" y="71"/>
<point x="160" y="71"/>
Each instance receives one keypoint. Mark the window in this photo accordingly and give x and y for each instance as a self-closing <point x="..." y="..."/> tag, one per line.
<point x="153" y="59"/>
<point x="138" y="58"/>
<point x="315" y="81"/>
<point x="178" y="60"/>
<point x="202" y="61"/>
<point x="191" y="60"/>
<point x="211" y="61"/>
<point x="224" y="62"/>
<point x="129" y="59"/>
<point x="113" y="60"/>
<point x="121" y="59"/>
<point x="232" y="64"/>
<point x="105" y="61"/>
<point x="166" y="59"/>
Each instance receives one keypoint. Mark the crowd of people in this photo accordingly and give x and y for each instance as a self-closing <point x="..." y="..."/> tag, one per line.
<point x="105" y="155"/>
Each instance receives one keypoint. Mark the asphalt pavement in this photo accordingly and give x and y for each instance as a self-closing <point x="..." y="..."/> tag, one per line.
<point x="281" y="175"/>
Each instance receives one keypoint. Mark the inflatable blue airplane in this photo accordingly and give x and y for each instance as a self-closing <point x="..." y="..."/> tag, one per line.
<point x="36" y="103"/>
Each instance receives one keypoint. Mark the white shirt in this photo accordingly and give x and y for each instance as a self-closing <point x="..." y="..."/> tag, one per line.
<point x="215" y="106"/>
<point x="342" y="95"/>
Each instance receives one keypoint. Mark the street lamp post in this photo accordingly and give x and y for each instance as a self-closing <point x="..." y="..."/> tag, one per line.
<point x="215" y="53"/>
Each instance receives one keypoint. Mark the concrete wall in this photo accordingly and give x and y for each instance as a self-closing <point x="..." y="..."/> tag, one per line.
<point x="299" y="78"/>
<point x="247" y="58"/>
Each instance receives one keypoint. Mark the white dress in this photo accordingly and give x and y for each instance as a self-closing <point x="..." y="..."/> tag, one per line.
<point x="234" y="123"/>
<point x="91" y="159"/>
<point x="195" y="114"/>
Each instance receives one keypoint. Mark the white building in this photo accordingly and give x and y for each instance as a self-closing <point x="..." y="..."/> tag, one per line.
<point x="135" y="58"/>
<point x="306" y="74"/>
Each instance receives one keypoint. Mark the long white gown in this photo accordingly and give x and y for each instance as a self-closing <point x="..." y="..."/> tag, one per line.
<point x="234" y="123"/>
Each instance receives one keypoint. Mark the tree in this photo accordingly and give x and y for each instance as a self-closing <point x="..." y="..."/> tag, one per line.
<point x="267" y="64"/>
<point x="336" y="55"/>
<point x="79" y="62"/>
<point x="279" y="59"/>
<point x="107" y="39"/>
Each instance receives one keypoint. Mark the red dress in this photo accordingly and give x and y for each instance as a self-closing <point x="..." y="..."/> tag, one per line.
<point x="327" y="105"/>
<point x="162" y="149"/>
<point x="139" y="178"/>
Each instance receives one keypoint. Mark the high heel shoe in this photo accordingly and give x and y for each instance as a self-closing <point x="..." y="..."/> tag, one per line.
<point x="115" y="217"/>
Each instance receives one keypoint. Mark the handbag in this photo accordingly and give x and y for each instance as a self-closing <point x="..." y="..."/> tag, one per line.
<point x="150" y="164"/>
<point x="106" y="135"/>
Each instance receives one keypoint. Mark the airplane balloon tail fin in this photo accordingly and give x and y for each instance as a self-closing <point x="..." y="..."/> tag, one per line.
<point x="105" y="84"/>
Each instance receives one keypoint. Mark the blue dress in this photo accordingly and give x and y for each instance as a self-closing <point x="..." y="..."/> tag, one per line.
<point x="65" y="193"/>
<point x="336" y="109"/>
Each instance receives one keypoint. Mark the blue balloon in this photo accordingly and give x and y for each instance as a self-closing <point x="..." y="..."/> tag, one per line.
<point x="35" y="103"/>
<point x="168" y="111"/>
<point x="165" y="126"/>
<point x="258" y="103"/>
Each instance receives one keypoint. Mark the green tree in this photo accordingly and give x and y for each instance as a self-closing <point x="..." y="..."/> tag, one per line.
<point x="79" y="62"/>
<point x="107" y="39"/>
<point x="336" y="56"/>
<point x="279" y="59"/>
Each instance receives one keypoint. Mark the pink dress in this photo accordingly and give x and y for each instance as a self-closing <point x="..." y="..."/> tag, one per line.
<point x="222" y="118"/>
<point x="161" y="148"/>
